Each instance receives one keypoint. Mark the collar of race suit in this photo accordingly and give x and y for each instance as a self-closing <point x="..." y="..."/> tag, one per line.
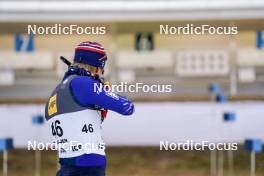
<point x="73" y="70"/>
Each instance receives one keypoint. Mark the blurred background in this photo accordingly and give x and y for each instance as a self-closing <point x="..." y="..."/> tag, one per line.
<point x="200" y="68"/>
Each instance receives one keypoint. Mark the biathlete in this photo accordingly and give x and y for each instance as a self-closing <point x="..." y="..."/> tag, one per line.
<point x="75" y="112"/>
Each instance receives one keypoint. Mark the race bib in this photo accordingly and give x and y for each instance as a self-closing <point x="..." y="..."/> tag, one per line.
<point x="77" y="133"/>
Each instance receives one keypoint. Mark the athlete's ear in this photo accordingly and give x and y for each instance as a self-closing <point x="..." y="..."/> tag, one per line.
<point x="97" y="70"/>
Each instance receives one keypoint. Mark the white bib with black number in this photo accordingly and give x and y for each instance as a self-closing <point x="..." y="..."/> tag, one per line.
<point x="78" y="133"/>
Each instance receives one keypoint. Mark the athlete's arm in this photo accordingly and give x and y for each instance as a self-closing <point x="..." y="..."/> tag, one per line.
<point x="85" y="92"/>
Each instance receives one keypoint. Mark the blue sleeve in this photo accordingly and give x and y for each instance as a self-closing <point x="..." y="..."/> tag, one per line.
<point x="88" y="91"/>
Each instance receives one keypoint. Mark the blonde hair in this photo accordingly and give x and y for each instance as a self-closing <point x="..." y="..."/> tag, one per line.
<point x="87" y="67"/>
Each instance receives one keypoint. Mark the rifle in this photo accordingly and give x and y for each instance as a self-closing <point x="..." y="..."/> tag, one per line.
<point x="66" y="61"/>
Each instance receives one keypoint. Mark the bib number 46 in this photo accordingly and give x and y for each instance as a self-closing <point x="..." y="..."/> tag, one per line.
<point x="56" y="128"/>
<point x="88" y="128"/>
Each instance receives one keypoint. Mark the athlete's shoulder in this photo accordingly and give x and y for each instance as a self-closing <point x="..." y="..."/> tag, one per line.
<point x="83" y="85"/>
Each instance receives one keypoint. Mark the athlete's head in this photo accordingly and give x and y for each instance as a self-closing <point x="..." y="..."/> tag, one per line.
<point x="90" y="56"/>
